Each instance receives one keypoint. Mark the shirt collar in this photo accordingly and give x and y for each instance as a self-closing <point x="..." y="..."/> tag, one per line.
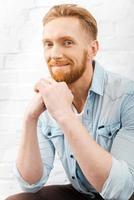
<point x="97" y="84"/>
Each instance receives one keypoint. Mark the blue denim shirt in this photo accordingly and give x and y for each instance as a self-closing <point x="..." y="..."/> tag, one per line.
<point x="108" y="115"/>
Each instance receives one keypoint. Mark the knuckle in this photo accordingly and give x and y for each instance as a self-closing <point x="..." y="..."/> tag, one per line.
<point x="42" y="80"/>
<point x="64" y="84"/>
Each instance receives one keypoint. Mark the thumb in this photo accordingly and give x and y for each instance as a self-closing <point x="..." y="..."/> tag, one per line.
<point x="37" y="87"/>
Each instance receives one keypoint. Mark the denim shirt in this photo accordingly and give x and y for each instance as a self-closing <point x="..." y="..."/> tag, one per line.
<point x="108" y="116"/>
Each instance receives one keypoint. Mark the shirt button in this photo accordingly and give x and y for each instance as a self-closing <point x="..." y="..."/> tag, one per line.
<point x="71" y="156"/>
<point x="73" y="177"/>
<point x="110" y="134"/>
<point x="49" y="134"/>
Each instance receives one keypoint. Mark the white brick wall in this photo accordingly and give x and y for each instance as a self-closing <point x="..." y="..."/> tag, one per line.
<point x="22" y="64"/>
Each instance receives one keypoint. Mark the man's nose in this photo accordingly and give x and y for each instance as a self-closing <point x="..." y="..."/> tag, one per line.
<point x="56" y="52"/>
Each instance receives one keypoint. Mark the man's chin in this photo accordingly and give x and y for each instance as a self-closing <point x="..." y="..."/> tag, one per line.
<point x="58" y="79"/>
<point x="64" y="77"/>
<point x="68" y="81"/>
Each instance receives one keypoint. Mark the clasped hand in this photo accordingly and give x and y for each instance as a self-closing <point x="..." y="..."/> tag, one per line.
<point x="56" y="96"/>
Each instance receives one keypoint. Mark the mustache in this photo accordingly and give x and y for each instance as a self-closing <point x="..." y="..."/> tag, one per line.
<point x="59" y="61"/>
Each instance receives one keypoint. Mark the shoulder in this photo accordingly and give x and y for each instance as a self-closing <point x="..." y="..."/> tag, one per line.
<point x="117" y="86"/>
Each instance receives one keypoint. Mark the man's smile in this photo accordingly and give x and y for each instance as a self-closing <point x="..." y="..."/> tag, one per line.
<point x="60" y="65"/>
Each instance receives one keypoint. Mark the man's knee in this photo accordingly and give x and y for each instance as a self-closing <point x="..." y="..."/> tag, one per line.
<point x="12" y="197"/>
<point x="46" y="192"/>
<point x="51" y="191"/>
<point x="22" y="196"/>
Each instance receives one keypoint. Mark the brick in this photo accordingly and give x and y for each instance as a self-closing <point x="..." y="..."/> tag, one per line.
<point x="117" y="43"/>
<point x="112" y="11"/>
<point x="27" y="45"/>
<point x="2" y="58"/>
<point x="124" y="27"/>
<point x="11" y="123"/>
<point x="18" y="6"/>
<point x="8" y="187"/>
<point x="47" y="3"/>
<point x="107" y="29"/>
<point x="11" y="133"/>
<point x="83" y="3"/>
<point x="35" y="16"/>
<point x="117" y="61"/>
<point x="6" y="171"/>
<point x="1" y="155"/>
<point x="88" y="5"/>
<point x="16" y="92"/>
<point x="116" y="58"/>
<point x="7" y="76"/>
<point x="9" y="43"/>
<point x="20" y="76"/>
<point x="10" y="32"/>
<point x="12" y="107"/>
<point x="24" y="61"/>
<point x="9" y="154"/>
<point x="8" y="140"/>
<point x="10" y="12"/>
<point x="30" y="36"/>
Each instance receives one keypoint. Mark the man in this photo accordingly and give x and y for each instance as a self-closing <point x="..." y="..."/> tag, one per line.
<point x="83" y="112"/>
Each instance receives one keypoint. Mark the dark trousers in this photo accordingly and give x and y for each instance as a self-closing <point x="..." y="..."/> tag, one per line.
<point x="54" y="192"/>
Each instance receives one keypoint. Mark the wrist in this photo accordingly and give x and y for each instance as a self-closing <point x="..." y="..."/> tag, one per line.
<point x="30" y="118"/>
<point x="66" y="117"/>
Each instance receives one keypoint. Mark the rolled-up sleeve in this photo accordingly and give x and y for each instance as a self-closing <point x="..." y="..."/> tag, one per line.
<point x="120" y="182"/>
<point x="47" y="151"/>
<point x="30" y="187"/>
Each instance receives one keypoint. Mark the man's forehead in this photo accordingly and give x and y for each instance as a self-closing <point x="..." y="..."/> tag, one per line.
<point x="69" y="21"/>
<point x="62" y="26"/>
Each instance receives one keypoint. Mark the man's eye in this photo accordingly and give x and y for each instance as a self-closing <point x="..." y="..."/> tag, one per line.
<point x="68" y="42"/>
<point x="48" y="44"/>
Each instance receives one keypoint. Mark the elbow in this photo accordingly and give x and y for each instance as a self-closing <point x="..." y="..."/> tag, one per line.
<point x="30" y="185"/>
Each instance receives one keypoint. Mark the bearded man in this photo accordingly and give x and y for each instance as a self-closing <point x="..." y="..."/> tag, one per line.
<point x="83" y="112"/>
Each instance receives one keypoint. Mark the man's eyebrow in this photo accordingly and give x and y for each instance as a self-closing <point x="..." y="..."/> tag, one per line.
<point x="66" y="38"/>
<point x="44" y="40"/>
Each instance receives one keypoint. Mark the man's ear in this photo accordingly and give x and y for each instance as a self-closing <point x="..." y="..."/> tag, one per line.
<point x="93" y="49"/>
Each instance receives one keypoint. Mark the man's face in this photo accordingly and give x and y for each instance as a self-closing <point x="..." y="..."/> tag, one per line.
<point x="65" y="46"/>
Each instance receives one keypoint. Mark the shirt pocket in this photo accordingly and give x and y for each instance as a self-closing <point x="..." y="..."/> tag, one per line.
<point x="106" y="134"/>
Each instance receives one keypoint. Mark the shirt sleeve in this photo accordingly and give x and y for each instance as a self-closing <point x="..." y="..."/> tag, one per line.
<point x="47" y="151"/>
<point x="120" y="182"/>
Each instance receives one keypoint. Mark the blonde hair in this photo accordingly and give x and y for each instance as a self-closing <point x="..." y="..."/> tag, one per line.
<point x="86" y="19"/>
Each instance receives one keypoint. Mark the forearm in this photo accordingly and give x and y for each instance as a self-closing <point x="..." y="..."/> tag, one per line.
<point x="94" y="161"/>
<point x="29" y="161"/>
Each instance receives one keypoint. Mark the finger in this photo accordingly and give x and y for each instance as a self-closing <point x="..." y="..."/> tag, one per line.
<point x="36" y="88"/>
<point x="39" y="83"/>
<point x="49" y="78"/>
<point x="45" y="81"/>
